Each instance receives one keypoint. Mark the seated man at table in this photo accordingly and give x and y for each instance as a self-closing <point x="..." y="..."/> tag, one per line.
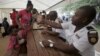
<point x="79" y="43"/>
<point x="52" y="16"/>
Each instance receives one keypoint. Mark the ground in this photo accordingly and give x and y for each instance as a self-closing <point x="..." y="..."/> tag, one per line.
<point x="3" y="45"/>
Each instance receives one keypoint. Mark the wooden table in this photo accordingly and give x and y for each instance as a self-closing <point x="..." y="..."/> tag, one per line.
<point x="35" y="49"/>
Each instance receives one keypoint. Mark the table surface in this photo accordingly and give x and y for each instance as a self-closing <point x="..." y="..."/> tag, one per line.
<point x="35" y="49"/>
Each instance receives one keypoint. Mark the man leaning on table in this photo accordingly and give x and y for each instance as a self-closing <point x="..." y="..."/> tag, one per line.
<point x="82" y="38"/>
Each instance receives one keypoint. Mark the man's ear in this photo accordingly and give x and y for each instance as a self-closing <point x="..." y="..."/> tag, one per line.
<point x="85" y="20"/>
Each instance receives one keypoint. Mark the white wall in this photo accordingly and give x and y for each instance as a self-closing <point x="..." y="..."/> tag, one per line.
<point x="5" y="12"/>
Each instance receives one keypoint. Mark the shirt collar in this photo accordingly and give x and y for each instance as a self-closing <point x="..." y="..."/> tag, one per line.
<point x="83" y="29"/>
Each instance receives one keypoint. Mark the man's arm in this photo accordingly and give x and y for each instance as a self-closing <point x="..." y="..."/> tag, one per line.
<point x="52" y="33"/>
<point x="66" y="48"/>
<point x="11" y="16"/>
<point x="17" y="20"/>
<point x="53" y="24"/>
<point x="70" y="49"/>
<point x="41" y="20"/>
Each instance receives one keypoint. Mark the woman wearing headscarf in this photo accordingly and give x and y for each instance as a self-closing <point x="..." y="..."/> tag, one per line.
<point x="24" y="22"/>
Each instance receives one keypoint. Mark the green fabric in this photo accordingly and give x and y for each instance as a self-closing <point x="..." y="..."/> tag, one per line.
<point x="80" y="3"/>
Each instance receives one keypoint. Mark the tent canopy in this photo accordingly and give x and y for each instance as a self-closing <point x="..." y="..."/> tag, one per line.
<point x="39" y="4"/>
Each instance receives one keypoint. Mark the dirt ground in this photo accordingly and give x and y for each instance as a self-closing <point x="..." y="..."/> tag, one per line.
<point x="3" y="45"/>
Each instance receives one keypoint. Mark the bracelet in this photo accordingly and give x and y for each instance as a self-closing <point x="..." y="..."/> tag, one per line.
<point x="51" y="45"/>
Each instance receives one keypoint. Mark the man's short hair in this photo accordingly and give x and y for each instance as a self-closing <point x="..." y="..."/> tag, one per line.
<point x="90" y="12"/>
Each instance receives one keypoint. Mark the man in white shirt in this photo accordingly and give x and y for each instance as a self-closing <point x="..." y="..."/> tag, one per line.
<point x="52" y="16"/>
<point x="79" y="42"/>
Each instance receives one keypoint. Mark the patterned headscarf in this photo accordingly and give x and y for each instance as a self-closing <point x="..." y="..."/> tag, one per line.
<point x="29" y="3"/>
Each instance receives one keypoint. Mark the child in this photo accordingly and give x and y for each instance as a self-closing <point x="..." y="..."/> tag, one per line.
<point x="13" y="46"/>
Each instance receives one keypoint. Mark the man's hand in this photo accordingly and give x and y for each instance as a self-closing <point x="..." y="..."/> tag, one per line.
<point x="44" y="32"/>
<point x="46" y="43"/>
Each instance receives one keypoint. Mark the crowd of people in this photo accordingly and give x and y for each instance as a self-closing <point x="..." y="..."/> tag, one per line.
<point x="80" y="37"/>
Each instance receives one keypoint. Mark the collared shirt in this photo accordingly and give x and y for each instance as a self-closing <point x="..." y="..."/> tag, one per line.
<point x="79" y="39"/>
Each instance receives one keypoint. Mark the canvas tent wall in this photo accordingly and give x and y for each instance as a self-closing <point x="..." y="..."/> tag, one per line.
<point x="7" y="5"/>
